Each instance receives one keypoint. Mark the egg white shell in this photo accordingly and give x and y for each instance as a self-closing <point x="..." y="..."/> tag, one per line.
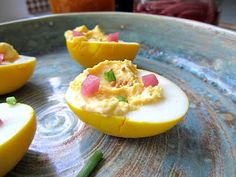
<point x="23" y="59"/>
<point x="173" y="104"/>
<point x="14" y="119"/>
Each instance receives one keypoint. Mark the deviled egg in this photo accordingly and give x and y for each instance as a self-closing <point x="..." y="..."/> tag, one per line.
<point x="120" y="100"/>
<point x="15" y="69"/>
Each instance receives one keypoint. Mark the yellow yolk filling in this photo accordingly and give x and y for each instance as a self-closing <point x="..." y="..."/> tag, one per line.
<point x="10" y="54"/>
<point x="96" y="34"/>
<point x="127" y="84"/>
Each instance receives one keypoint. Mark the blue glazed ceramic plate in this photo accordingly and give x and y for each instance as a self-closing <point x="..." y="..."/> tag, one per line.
<point x="200" y="58"/>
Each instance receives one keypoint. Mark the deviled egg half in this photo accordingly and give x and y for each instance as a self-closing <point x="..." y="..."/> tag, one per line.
<point x="89" y="47"/>
<point x="120" y="100"/>
<point x="15" y="69"/>
<point x="17" y="129"/>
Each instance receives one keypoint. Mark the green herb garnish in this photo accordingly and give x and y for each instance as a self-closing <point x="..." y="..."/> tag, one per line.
<point x="122" y="98"/>
<point x="92" y="162"/>
<point x="109" y="76"/>
<point x="11" y="100"/>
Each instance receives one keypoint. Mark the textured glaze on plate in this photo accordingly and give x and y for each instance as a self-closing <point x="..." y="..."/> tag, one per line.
<point x="200" y="58"/>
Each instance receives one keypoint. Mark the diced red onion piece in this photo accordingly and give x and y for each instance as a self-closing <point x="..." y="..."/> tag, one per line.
<point x="113" y="37"/>
<point x="150" y="80"/>
<point x="1" y="58"/>
<point x="90" y="86"/>
<point x="77" y="34"/>
<point x="1" y="122"/>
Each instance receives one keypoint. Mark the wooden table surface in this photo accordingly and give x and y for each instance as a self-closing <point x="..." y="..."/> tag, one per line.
<point x="228" y="26"/>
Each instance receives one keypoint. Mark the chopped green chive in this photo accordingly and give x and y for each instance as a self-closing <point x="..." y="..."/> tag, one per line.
<point x="122" y="98"/>
<point x="109" y="76"/>
<point x="90" y="165"/>
<point x="11" y="100"/>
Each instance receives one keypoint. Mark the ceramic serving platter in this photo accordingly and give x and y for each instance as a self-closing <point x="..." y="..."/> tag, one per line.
<point x="200" y="58"/>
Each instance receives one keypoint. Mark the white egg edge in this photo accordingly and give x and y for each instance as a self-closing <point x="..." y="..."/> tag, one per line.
<point x="24" y="58"/>
<point x="14" y="117"/>
<point x="173" y="104"/>
<point x="21" y="60"/>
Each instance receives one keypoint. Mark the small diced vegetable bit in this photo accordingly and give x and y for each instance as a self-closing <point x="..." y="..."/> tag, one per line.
<point x="1" y="122"/>
<point x="109" y="76"/>
<point x="90" y="165"/>
<point x="122" y="98"/>
<point x="1" y="58"/>
<point x="150" y="80"/>
<point x="90" y="86"/>
<point x="113" y="37"/>
<point x="11" y="100"/>
<point x="77" y="33"/>
<point x="94" y="38"/>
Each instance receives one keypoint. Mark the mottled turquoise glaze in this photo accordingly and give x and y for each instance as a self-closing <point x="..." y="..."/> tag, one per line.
<point x="201" y="59"/>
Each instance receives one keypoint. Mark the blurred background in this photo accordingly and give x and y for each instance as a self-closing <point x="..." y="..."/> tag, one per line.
<point x="208" y="11"/>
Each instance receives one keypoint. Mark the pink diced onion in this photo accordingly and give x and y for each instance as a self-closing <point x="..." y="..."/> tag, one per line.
<point x="150" y="80"/>
<point x="1" y="122"/>
<point x="90" y="86"/>
<point x="1" y="57"/>
<point x="77" y="34"/>
<point x="113" y="37"/>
